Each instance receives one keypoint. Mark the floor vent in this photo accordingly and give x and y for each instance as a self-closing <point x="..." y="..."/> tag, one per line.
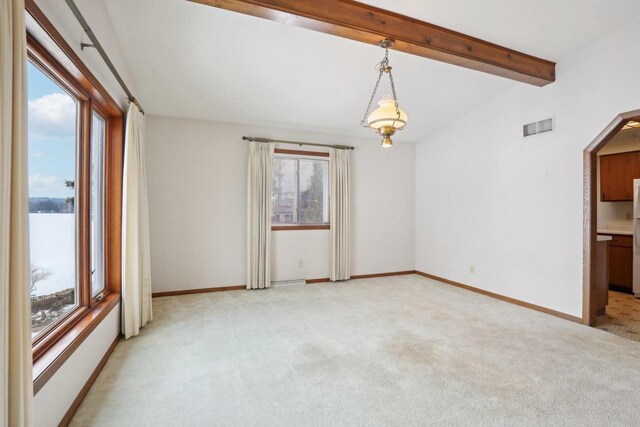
<point x="535" y="128"/>
<point x="289" y="282"/>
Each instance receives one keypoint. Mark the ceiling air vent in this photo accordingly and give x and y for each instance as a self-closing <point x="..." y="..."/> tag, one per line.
<point x="535" y="128"/>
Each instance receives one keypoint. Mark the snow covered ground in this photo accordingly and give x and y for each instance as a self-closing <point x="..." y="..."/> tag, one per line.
<point x="52" y="241"/>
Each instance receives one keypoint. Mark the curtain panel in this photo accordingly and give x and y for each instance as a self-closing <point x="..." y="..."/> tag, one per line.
<point x="340" y="214"/>
<point x="136" y="265"/>
<point x="259" y="179"/>
<point x="16" y="381"/>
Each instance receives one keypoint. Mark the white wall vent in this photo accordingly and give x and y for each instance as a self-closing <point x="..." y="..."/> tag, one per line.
<point x="535" y="128"/>
<point x="292" y="282"/>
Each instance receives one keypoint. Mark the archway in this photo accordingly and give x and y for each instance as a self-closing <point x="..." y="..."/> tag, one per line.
<point x="590" y="206"/>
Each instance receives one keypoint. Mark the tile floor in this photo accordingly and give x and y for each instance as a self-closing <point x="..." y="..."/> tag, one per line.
<point x="623" y="316"/>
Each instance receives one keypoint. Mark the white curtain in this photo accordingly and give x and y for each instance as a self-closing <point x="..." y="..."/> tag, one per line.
<point x="340" y="214"/>
<point x="16" y="382"/>
<point x="259" y="215"/>
<point x="136" y="266"/>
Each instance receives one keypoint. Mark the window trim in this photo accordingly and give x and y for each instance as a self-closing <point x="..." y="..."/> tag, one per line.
<point x="97" y="296"/>
<point x="300" y="227"/>
<point x="301" y="152"/>
<point x="48" y="50"/>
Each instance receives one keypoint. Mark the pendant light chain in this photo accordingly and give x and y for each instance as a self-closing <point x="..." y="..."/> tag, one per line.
<point x="383" y="67"/>
<point x="393" y="92"/>
<point x="363" y="122"/>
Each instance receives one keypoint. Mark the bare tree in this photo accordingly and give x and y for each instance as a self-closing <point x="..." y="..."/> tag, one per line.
<point x="71" y="184"/>
<point x="38" y="274"/>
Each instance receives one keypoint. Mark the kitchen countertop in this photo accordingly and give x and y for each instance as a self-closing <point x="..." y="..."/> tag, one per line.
<point x="613" y="231"/>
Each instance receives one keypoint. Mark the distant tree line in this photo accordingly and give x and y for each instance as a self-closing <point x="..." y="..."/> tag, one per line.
<point x="50" y="205"/>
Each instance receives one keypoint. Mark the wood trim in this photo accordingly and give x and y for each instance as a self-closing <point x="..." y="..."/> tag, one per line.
<point x="240" y="287"/>
<point x="368" y="24"/>
<point x="300" y="227"/>
<point x="114" y="157"/>
<point x="502" y="297"/>
<point x="83" y="205"/>
<point x="320" y="280"/>
<point x="197" y="291"/>
<point x="301" y="152"/>
<point x="48" y="338"/>
<point x="393" y="273"/>
<point x="590" y="211"/>
<point x="48" y="65"/>
<point x="364" y="276"/>
<point x="49" y="363"/>
<point x="87" y="386"/>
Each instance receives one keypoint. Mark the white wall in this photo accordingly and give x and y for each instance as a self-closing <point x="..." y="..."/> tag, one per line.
<point x="616" y="216"/>
<point x="197" y="200"/>
<point x="57" y="395"/>
<point x="510" y="207"/>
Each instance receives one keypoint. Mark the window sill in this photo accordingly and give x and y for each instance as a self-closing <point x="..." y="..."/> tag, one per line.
<point x="53" y="358"/>
<point x="300" y="227"/>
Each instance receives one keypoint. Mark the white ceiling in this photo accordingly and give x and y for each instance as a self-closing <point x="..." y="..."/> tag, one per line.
<point x="190" y="60"/>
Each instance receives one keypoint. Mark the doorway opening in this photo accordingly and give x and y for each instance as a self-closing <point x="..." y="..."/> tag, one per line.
<point x="611" y="267"/>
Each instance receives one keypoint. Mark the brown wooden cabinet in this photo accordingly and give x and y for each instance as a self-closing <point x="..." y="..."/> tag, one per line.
<point x="621" y="262"/>
<point x="600" y="294"/>
<point x="617" y="172"/>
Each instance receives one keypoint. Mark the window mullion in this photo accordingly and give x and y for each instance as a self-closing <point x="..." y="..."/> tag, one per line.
<point x="83" y="206"/>
<point x="297" y="207"/>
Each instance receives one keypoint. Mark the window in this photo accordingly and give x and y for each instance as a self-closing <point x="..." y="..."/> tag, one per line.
<point x="66" y="210"/>
<point x="52" y="154"/>
<point x="97" y="204"/>
<point x="300" y="194"/>
<point x="75" y="158"/>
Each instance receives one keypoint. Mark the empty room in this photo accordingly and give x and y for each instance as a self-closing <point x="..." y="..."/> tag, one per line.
<point x="319" y="213"/>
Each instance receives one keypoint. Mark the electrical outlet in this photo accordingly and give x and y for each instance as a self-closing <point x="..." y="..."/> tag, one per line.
<point x="472" y="269"/>
<point x="300" y="264"/>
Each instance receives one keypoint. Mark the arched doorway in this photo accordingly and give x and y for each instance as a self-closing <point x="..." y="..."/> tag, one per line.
<point x="590" y="159"/>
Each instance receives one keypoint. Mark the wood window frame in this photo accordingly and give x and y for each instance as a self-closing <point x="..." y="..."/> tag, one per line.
<point x="290" y="227"/>
<point x="48" y="50"/>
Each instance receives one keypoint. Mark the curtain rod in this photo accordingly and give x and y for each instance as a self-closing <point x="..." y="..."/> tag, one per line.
<point x="103" y="54"/>
<point x="341" y="147"/>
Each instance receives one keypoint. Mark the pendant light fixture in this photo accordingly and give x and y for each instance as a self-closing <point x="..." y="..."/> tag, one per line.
<point x="388" y="117"/>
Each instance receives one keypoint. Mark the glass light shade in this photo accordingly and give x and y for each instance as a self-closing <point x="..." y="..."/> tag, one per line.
<point x="385" y="115"/>
<point x="387" y="142"/>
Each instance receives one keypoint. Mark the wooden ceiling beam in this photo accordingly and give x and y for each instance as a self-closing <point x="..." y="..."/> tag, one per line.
<point x="368" y="24"/>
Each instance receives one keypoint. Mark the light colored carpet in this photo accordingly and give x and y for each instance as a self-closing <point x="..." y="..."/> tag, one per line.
<point x="397" y="351"/>
<point x="623" y="316"/>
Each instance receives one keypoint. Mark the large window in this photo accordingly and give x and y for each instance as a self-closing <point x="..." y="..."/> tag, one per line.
<point x="75" y="157"/>
<point x="62" y="280"/>
<point x="52" y="154"/>
<point x="300" y="194"/>
<point x="66" y="161"/>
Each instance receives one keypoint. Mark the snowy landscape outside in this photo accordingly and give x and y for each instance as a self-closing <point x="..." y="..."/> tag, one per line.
<point x="52" y="117"/>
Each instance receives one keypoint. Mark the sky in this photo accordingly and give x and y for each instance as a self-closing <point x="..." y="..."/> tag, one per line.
<point x="51" y="140"/>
